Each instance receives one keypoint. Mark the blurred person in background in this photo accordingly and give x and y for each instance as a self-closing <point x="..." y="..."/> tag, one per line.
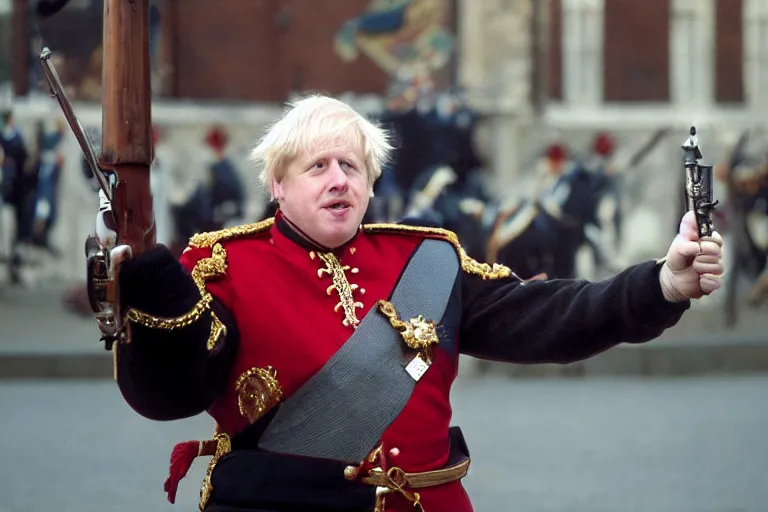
<point x="219" y="199"/>
<point x="20" y="183"/>
<point x="50" y="160"/>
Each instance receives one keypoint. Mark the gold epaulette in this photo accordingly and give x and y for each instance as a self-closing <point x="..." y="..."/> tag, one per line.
<point x="468" y="264"/>
<point x="211" y="238"/>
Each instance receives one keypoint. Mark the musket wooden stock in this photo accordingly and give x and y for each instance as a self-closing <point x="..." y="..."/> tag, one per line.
<point x="126" y="145"/>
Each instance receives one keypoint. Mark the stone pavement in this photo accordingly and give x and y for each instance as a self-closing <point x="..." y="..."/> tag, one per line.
<point x="589" y="445"/>
<point x="39" y="339"/>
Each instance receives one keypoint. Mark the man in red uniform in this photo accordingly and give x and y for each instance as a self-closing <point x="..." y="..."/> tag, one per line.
<point x="325" y="350"/>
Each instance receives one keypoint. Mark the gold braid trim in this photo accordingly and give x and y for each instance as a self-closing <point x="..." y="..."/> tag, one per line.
<point x="469" y="265"/>
<point x="211" y="238"/>
<point x="223" y="447"/>
<point x="169" y="324"/>
<point x="341" y="284"/>
<point x="204" y="269"/>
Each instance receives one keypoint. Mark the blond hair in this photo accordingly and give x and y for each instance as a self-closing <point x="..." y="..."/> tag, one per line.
<point x="314" y="119"/>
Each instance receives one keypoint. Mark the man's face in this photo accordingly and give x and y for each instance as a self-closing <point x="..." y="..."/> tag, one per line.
<point x="325" y="192"/>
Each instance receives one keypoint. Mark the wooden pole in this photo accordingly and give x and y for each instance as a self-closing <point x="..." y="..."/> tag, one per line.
<point x="126" y="146"/>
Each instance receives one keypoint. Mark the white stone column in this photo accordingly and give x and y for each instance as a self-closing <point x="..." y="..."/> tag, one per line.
<point x="495" y="69"/>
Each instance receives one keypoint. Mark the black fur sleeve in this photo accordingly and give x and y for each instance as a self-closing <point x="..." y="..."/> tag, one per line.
<point x="562" y="321"/>
<point x="166" y="375"/>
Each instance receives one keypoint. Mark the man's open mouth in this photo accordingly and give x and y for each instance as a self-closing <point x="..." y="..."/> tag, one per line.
<point x="337" y="206"/>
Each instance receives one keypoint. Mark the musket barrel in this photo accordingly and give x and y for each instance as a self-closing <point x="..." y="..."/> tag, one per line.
<point x="126" y="145"/>
<point x="57" y="90"/>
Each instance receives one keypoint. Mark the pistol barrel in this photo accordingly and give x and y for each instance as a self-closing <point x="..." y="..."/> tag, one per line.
<point x="699" y="184"/>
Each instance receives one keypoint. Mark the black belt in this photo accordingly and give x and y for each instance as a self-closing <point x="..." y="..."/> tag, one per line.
<point x="261" y="481"/>
<point x="255" y="480"/>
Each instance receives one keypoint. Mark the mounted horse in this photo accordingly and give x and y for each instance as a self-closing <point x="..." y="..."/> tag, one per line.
<point x="544" y="234"/>
<point x="539" y="235"/>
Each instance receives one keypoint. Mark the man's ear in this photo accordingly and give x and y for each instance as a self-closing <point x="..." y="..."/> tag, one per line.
<point x="276" y="190"/>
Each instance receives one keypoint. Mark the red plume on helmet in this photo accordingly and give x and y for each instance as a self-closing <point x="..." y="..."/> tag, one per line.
<point x="604" y="144"/>
<point x="217" y="138"/>
<point x="556" y="153"/>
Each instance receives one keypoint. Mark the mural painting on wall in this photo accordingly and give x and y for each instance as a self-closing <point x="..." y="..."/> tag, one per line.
<point x="408" y="39"/>
<point x="75" y="38"/>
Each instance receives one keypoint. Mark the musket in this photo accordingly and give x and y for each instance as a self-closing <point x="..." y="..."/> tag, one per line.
<point x="699" y="181"/>
<point x="123" y="165"/>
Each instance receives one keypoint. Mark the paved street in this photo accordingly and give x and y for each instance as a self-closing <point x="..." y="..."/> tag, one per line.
<point x="687" y="445"/>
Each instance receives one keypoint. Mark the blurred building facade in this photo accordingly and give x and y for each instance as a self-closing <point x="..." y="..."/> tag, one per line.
<point x="567" y="53"/>
<point x="536" y="70"/>
<point x="557" y="61"/>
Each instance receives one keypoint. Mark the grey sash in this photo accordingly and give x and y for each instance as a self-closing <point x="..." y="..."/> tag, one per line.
<point x="343" y="410"/>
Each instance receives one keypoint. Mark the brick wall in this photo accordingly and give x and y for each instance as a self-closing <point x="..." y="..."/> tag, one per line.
<point x="729" y="76"/>
<point x="636" y="50"/>
<point x="555" y="63"/>
<point x="261" y="50"/>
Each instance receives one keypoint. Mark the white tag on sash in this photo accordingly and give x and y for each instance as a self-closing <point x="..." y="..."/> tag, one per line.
<point x="417" y="367"/>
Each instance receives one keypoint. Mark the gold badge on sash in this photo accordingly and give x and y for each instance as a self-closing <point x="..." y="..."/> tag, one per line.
<point x="418" y="333"/>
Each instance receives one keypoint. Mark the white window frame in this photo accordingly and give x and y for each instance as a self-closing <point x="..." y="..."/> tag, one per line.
<point x="755" y="64"/>
<point x="692" y="52"/>
<point x="582" y="51"/>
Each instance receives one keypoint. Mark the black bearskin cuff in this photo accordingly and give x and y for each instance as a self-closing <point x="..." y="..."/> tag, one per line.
<point x="156" y="283"/>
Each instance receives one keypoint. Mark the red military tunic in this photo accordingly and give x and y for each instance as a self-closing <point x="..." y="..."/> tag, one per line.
<point x="287" y="318"/>
<point x="278" y="294"/>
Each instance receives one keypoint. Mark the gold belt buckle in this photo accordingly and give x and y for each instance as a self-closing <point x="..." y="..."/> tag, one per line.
<point x="393" y="480"/>
<point x="396" y="481"/>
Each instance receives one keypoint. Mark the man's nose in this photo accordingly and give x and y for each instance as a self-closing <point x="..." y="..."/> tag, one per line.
<point x="338" y="176"/>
